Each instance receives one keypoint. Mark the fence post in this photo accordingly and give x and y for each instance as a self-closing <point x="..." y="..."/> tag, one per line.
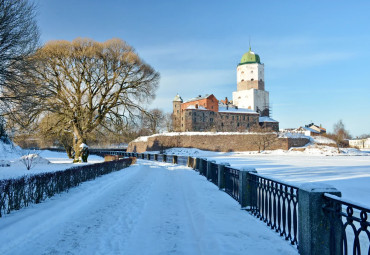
<point x="314" y="224"/>
<point x="208" y="173"/>
<point x="164" y="159"/>
<point x="174" y="159"/>
<point x="221" y="175"/>
<point x="155" y="157"/>
<point x="197" y="166"/>
<point x="245" y="187"/>
<point x="189" y="162"/>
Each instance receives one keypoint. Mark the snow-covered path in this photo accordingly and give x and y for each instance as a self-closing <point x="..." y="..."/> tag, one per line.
<point x="149" y="208"/>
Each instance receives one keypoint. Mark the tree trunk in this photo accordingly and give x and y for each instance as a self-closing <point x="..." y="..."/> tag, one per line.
<point x="80" y="147"/>
<point x="69" y="150"/>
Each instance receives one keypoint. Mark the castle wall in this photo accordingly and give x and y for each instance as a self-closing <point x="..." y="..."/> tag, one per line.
<point x="204" y="120"/>
<point x="218" y="142"/>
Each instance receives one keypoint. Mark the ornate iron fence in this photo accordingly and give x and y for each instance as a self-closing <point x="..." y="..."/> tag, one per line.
<point x="276" y="204"/>
<point x="182" y="160"/>
<point x="213" y="174"/>
<point x="355" y="226"/>
<point x="160" y="157"/>
<point x="231" y="176"/>
<point x="203" y="166"/>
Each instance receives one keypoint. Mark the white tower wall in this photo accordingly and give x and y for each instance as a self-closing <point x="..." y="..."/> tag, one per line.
<point x="253" y="99"/>
<point x="248" y="72"/>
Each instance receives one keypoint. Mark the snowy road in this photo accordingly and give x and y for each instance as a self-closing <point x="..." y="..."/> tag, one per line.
<point x="149" y="208"/>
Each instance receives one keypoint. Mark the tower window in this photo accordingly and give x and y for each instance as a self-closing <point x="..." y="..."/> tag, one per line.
<point x="242" y="79"/>
<point x="252" y="79"/>
<point x="252" y="71"/>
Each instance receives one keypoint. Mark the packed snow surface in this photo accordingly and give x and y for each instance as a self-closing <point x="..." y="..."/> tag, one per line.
<point x="149" y="208"/>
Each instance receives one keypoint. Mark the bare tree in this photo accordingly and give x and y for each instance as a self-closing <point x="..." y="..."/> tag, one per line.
<point x="57" y="129"/>
<point x="340" y="134"/>
<point x="92" y="84"/>
<point x="19" y="38"/>
<point x="153" y="121"/>
<point x="264" y="137"/>
<point x="168" y="120"/>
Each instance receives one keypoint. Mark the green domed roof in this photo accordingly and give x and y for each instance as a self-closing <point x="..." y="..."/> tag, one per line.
<point x="249" y="58"/>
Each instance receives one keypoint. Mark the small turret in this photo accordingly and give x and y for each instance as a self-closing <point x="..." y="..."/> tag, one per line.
<point x="176" y="115"/>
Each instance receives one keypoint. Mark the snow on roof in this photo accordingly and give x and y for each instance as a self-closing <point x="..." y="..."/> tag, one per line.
<point x="193" y="107"/>
<point x="311" y="130"/>
<point x="232" y="109"/>
<point x="267" y="119"/>
<point x="198" y="98"/>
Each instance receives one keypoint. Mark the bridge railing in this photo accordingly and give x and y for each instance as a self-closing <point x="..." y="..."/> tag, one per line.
<point x="311" y="217"/>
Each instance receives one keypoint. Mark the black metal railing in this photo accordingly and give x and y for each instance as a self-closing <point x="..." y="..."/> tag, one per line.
<point x="203" y="166"/>
<point x="231" y="176"/>
<point x="276" y="204"/>
<point x="169" y="158"/>
<point x="160" y="157"/>
<point x="213" y="174"/>
<point x="355" y="226"/>
<point x="182" y="160"/>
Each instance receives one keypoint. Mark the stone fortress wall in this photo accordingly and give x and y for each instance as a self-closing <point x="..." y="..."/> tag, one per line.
<point x="218" y="142"/>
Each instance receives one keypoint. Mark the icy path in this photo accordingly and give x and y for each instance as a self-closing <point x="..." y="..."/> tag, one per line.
<point x="149" y="208"/>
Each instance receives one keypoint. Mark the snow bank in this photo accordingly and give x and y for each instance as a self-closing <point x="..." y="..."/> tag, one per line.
<point x="322" y="140"/>
<point x="35" y="158"/>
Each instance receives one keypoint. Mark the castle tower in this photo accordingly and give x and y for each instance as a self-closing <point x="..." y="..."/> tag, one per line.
<point x="250" y="75"/>
<point x="176" y="114"/>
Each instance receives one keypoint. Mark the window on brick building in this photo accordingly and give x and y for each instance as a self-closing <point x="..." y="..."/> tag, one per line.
<point x="233" y="117"/>
<point x="189" y="113"/>
<point x="243" y="117"/>
<point x="222" y="124"/>
<point x="238" y="124"/>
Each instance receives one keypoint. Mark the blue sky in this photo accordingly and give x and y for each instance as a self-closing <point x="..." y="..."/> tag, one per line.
<point x="316" y="53"/>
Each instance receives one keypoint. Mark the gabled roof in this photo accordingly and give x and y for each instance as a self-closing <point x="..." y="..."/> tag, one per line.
<point x="200" y="98"/>
<point x="267" y="119"/>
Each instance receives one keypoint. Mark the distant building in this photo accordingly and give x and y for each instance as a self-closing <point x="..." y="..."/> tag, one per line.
<point x="360" y="143"/>
<point x="250" y="105"/>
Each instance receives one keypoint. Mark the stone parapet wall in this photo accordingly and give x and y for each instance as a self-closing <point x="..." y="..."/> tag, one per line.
<point x="218" y="142"/>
